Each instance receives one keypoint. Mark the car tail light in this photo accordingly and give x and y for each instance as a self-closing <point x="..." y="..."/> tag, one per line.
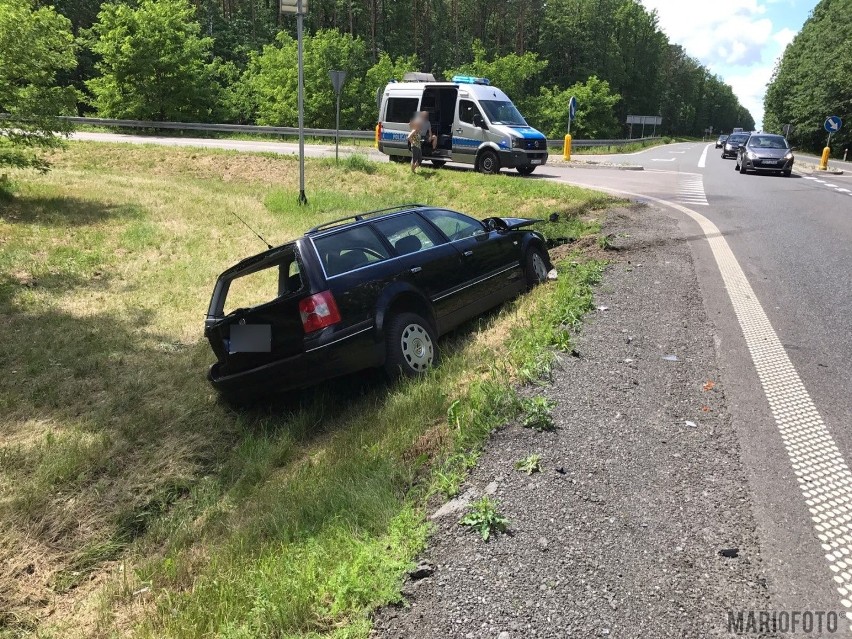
<point x="318" y="311"/>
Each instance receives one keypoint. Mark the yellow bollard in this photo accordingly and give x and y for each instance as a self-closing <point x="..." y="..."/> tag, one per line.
<point x="378" y="134"/>
<point x="823" y="163"/>
<point x="566" y="150"/>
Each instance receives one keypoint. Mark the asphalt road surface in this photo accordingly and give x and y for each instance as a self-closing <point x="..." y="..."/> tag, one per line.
<point x="792" y="239"/>
<point x="772" y="257"/>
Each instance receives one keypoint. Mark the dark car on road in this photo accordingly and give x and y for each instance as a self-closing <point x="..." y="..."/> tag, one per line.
<point x="729" y="149"/>
<point x="372" y="290"/>
<point x="765" y="152"/>
<point x="721" y="141"/>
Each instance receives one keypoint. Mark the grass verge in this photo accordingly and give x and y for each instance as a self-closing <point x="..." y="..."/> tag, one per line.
<point x="132" y="502"/>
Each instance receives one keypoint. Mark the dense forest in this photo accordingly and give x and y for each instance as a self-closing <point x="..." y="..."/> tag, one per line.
<point x="814" y="79"/>
<point x="235" y="60"/>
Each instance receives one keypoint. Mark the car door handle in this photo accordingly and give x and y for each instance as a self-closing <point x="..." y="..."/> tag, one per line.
<point x="416" y="269"/>
<point x="458" y="130"/>
<point x="468" y="253"/>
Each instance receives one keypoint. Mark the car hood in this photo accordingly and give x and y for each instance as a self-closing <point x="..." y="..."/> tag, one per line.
<point x="774" y="154"/>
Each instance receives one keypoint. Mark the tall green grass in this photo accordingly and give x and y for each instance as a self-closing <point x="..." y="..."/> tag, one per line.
<point x="145" y="506"/>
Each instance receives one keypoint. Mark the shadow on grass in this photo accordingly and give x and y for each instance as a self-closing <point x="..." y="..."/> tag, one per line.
<point x="64" y="211"/>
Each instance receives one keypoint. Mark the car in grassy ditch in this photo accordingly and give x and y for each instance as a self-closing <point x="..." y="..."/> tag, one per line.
<point x="765" y="152"/>
<point x="370" y="290"/>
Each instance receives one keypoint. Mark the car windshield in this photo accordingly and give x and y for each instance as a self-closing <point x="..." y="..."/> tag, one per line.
<point x="737" y="139"/>
<point x="503" y="112"/>
<point x="767" y="142"/>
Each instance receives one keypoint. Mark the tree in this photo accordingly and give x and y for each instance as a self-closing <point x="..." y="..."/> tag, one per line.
<point x="814" y="77"/>
<point x="29" y="93"/>
<point x="271" y="80"/>
<point x="514" y="74"/>
<point x="154" y="64"/>
<point x="595" y="110"/>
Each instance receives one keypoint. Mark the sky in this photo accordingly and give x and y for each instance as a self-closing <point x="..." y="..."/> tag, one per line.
<point x="738" y="40"/>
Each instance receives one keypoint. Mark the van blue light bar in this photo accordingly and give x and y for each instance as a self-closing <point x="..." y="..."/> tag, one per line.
<point x="469" y="79"/>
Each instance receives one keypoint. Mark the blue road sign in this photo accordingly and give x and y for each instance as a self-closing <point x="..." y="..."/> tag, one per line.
<point x="833" y="124"/>
<point x="572" y="107"/>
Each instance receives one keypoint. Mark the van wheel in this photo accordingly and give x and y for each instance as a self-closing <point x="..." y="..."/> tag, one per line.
<point x="438" y="163"/>
<point x="399" y="159"/>
<point x="535" y="267"/>
<point x="488" y="163"/>
<point x="411" y="346"/>
<point x="526" y="170"/>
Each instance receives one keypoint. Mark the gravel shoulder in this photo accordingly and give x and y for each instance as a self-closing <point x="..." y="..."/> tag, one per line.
<point x="641" y="484"/>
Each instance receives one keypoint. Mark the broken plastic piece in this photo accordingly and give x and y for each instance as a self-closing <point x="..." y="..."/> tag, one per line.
<point x="671" y="358"/>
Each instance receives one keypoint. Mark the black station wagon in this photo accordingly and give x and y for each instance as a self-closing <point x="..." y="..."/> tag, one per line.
<point x="371" y="290"/>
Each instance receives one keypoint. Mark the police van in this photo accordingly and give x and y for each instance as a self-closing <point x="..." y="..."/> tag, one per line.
<point x="475" y="123"/>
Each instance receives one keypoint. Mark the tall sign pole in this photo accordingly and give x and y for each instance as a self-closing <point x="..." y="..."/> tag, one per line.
<point x="300" y="8"/>
<point x="299" y="26"/>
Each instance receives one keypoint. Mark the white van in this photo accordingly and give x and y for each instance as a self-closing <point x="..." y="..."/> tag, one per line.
<point x="475" y="124"/>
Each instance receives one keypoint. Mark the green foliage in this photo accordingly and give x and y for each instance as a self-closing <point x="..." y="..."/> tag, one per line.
<point x="529" y="464"/>
<point x="537" y="413"/>
<point x="595" y="110"/>
<point x="154" y="64"/>
<point x="814" y="78"/>
<point x="517" y="75"/>
<point x="36" y="45"/>
<point x="483" y="516"/>
<point x="271" y="81"/>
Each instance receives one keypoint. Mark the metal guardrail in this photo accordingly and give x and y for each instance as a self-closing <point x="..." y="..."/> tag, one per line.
<point x="287" y="130"/>
<point x="221" y="128"/>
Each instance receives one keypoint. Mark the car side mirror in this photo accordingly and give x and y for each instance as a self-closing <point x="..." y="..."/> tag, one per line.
<point x="741" y="147"/>
<point x="479" y="122"/>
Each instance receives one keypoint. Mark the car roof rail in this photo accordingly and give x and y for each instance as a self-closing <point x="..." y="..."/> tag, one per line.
<point x="360" y="216"/>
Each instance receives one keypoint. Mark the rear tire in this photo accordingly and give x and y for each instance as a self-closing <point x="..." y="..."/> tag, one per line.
<point x="411" y="346"/>
<point x="535" y="267"/>
<point x="526" y="170"/>
<point x="488" y="162"/>
<point x="399" y="159"/>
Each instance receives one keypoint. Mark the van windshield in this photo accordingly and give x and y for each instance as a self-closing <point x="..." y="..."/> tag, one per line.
<point x="503" y="112"/>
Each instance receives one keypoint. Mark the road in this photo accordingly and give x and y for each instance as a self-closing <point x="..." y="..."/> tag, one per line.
<point x="773" y="259"/>
<point x="791" y="237"/>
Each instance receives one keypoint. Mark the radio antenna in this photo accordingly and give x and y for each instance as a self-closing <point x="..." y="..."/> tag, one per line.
<point x="260" y="237"/>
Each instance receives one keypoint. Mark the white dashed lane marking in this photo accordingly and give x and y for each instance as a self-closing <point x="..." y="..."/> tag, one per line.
<point x="836" y="188"/>
<point x="690" y="189"/>
<point x="824" y="478"/>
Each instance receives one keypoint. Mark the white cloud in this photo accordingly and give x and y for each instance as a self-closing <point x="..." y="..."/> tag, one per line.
<point x="735" y="39"/>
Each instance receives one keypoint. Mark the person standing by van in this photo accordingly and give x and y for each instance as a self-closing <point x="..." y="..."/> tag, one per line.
<point x="429" y="138"/>
<point x="414" y="142"/>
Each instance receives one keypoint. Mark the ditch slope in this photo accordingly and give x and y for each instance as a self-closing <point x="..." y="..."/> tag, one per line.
<point x="639" y="523"/>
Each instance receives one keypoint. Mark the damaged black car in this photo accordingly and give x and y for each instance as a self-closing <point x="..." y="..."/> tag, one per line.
<point x="372" y="290"/>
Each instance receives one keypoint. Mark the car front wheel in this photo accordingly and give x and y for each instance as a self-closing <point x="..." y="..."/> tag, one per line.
<point x="411" y="346"/>
<point x="535" y="267"/>
<point x="743" y="167"/>
<point x="489" y="162"/>
<point x="526" y="170"/>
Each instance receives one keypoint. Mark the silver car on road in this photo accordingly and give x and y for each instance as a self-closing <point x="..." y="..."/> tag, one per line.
<point x="765" y="152"/>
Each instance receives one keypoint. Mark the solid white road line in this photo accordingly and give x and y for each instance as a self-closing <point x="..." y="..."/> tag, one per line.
<point x="702" y="162"/>
<point x="660" y="160"/>
<point x="824" y="477"/>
